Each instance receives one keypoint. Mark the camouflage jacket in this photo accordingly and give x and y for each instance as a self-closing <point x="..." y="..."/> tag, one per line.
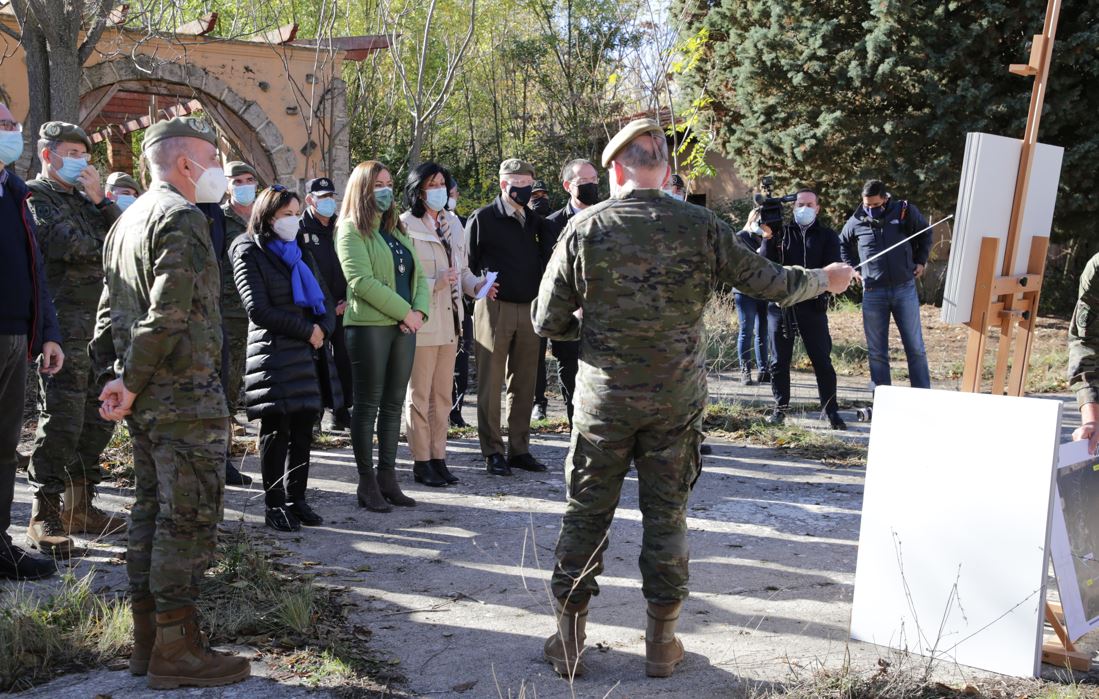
<point x="231" y="306"/>
<point x="1083" y="338"/>
<point x="158" y="320"/>
<point x="641" y="268"/>
<point x="71" y="230"/>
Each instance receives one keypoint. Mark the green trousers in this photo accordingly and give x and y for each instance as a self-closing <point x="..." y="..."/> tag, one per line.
<point x="381" y="365"/>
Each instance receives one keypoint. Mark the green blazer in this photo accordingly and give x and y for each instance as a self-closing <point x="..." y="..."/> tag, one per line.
<point x="367" y="263"/>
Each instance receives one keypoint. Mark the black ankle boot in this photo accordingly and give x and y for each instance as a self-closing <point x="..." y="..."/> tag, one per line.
<point x="370" y="496"/>
<point x="387" y="483"/>
<point x="440" y="468"/>
<point x="422" y="472"/>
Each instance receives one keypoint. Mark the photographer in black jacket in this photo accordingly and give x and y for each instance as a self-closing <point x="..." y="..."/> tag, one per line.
<point x="807" y="243"/>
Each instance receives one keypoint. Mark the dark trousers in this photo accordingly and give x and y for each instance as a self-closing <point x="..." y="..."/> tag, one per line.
<point x="461" y="365"/>
<point x="343" y="369"/>
<point x="284" y="481"/>
<point x="540" y="377"/>
<point x="784" y="325"/>
<point x="381" y="365"/>
<point x="567" y="354"/>
<point x="13" y="382"/>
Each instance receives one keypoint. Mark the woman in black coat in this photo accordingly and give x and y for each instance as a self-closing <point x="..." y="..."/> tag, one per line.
<point x="287" y="375"/>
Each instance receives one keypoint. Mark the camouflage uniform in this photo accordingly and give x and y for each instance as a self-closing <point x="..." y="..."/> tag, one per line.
<point x="159" y="328"/>
<point x="642" y="267"/>
<point x="1083" y="338"/>
<point x="232" y="310"/>
<point x="71" y="435"/>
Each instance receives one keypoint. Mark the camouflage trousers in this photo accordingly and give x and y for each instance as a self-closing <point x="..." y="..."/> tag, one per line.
<point x="665" y="451"/>
<point x="71" y="436"/>
<point x="236" y="336"/>
<point x="179" y="484"/>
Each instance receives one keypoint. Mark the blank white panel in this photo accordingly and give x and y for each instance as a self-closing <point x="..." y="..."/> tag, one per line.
<point x="952" y="547"/>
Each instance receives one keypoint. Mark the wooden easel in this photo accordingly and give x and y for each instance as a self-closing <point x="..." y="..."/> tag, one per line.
<point x="1009" y="301"/>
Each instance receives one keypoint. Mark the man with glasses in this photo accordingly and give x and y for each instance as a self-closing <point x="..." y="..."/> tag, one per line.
<point x="72" y="215"/>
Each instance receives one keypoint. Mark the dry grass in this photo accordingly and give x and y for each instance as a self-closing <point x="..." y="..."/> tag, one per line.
<point x="744" y="422"/>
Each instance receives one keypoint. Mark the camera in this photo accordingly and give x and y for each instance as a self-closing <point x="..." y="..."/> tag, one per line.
<point x="770" y="206"/>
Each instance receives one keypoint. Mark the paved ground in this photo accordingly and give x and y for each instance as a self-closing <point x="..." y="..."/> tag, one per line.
<point x="457" y="585"/>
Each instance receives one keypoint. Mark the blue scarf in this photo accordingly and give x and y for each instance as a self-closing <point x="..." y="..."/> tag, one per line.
<point x="307" y="292"/>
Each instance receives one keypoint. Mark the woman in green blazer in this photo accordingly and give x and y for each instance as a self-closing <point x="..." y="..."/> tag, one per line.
<point x="387" y="302"/>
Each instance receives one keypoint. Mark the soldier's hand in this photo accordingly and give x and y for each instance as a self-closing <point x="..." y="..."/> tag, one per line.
<point x="1088" y="431"/>
<point x="52" y="359"/>
<point x="116" y="401"/>
<point x="839" y="277"/>
<point x="93" y="186"/>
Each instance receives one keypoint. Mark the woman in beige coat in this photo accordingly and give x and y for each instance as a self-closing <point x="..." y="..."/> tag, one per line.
<point x="440" y="245"/>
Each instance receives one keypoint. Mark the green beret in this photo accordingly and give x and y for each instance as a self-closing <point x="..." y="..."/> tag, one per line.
<point x="121" y="179"/>
<point x="64" y="131"/>
<point x="179" y="127"/>
<point x="239" y="167"/>
<point x="515" y="166"/>
<point x="628" y="133"/>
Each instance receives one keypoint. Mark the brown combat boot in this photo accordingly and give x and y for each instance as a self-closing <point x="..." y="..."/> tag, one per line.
<point x="82" y="516"/>
<point x="45" y="532"/>
<point x="564" y="649"/>
<point x="663" y="651"/>
<point x="144" y="609"/>
<point x="182" y="658"/>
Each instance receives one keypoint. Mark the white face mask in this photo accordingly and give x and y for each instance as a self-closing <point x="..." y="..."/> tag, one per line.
<point x="452" y="204"/>
<point x="210" y="186"/>
<point x="286" y="227"/>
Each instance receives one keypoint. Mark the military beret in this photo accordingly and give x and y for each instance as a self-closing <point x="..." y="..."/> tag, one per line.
<point x="64" y="131"/>
<point x="237" y="168"/>
<point x="677" y="181"/>
<point x="121" y="179"/>
<point x="319" y="185"/>
<point x="515" y="166"/>
<point x="539" y="186"/>
<point x="628" y="133"/>
<point x="179" y="127"/>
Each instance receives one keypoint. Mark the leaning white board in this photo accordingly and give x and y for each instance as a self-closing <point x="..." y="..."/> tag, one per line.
<point x="952" y="547"/>
<point x="1074" y="539"/>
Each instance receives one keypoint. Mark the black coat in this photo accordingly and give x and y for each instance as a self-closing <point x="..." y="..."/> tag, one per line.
<point x="319" y="240"/>
<point x="283" y="374"/>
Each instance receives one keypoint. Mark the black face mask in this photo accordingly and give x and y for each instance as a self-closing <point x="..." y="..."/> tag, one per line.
<point x="541" y="206"/>
<point x="520" y="195"/>
<point x="588" y="194"/>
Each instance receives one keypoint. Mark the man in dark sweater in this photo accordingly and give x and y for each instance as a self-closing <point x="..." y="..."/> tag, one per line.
<point x="506" y="238"/>
<point x="28" y="327"/>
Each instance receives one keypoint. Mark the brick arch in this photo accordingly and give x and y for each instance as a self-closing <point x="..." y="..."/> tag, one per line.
<point x="242" y="121"/>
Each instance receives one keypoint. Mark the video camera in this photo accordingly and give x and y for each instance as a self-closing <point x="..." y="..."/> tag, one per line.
<point x="769" y="206"/>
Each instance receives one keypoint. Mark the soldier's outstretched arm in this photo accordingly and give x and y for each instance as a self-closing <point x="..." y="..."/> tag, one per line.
<point x="760" y="278"/>
<point x="179" y="256"/>
<point x="554" y="311"/>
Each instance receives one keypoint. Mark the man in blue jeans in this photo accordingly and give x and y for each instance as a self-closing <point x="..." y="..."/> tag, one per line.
<point x="889" y="282"/>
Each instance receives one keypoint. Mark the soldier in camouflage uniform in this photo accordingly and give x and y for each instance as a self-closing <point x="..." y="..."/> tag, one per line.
<point x="1083" y="355"/>
<point x="72" y="215"/>
<point x="630" y="278"/>
<point x="158" y="332"/>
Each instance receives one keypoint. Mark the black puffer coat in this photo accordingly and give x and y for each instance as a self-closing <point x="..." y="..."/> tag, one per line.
<point x="283" y="373"/>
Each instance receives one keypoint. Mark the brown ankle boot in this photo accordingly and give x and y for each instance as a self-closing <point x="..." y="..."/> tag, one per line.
<point x="663" y="651"/>
<point x="144" y="610"/>
<point x="369" y="495"/>
<point x="387" y="483"/>
<point x="181" y="657"/>
<point x="45" y="532"/>
<point x="80" y="514"/>
<point x="564" y="649"/>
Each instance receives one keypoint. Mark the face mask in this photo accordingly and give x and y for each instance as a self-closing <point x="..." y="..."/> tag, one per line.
<point x="383" y="197"/>
<point x="541" y="207"/>
<point x="805" y="215"/>
<point x="286" y="227"/>
<point x="210" y="186"/>
<point x="11" y="146"/>
<point x="71" y="168"/>
<point x="520" y="195"/>
<point x="124" y="201"/>
<point x="244" y="194"/>
<point x="874" y="211"/>
<point x="326" y="207"/>
<point x="587" y="194"/>
<point x="452" y="204"/>
<point x="435" y="198"/>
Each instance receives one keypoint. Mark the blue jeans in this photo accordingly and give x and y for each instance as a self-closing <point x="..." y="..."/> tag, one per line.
<point x="903" y="304"/>
<point x="752" y="325"/>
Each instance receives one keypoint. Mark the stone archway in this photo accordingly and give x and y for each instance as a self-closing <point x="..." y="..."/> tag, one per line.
<point x="248" y="128"/>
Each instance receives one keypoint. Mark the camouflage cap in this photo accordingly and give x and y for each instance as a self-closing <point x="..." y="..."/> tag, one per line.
<point x="64" y="131"/>
<point x="515" y="166"/>
<point x="539" y="186"/>
<point x="179" y="127"/>
<point x="236" y="168"/>
<point x="121" y="179"/>
<point x="628" y="133"/>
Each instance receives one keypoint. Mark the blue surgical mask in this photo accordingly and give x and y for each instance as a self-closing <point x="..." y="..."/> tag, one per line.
<point x="326" y="207"/>
<point x="244" y="194"/>
<point x="124" y="201"/>
<point x="71" y="168"/>
<point x="805" y="215"/>
<point x="383" y="197"/>
<point x="11" y="146"/>
<point x="435" y="198"/>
